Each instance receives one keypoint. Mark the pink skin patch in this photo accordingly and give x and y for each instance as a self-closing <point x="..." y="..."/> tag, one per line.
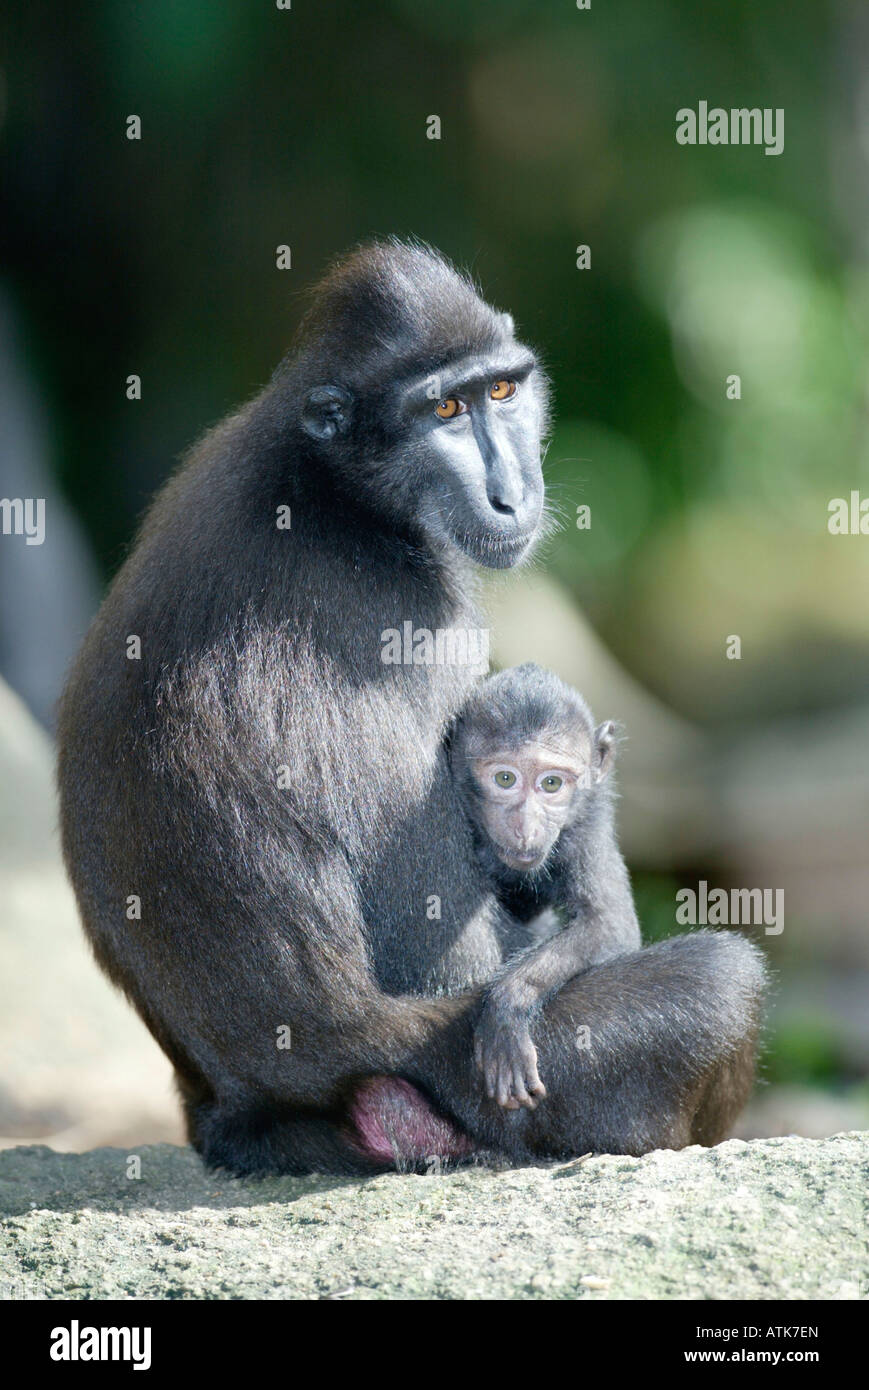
<point x="395" y="1124"/>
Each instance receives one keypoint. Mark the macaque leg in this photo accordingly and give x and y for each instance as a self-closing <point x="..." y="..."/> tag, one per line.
<point x="650" y="1050"/>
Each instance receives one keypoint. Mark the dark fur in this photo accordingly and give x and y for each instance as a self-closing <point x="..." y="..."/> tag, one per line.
<point x="264" y="907"/>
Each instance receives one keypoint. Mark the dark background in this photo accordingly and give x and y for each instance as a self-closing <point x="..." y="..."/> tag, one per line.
<point x="709" y="516"/>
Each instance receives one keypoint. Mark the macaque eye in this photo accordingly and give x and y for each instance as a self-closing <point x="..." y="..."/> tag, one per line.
<point x="552" y="783"/>
<point x="504" y="779"/>
<point x="503" y="390"/>
<point x="450" y="406"/>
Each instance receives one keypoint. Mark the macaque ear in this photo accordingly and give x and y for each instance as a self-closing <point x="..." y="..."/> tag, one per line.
<point x="326" y="412"/>
<point x="604" y="749"/>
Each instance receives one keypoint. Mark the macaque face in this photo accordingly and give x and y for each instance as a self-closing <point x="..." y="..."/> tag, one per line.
<point x="526" y="796"/>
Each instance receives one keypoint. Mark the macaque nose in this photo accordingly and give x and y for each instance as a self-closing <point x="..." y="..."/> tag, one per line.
<point x="502" y="504"/>
<point x="526" y="834"/>
<point x="505" y="488"/>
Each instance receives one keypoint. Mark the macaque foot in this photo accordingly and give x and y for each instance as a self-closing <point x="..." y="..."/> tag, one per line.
<point x="507" y="1058"/>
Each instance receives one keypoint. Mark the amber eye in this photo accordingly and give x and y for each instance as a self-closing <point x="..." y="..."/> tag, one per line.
<point x="503" y="390"/>
<point x="448" y="407"/>
<point x="504" y="779"/>
<point x="552" y="783"/>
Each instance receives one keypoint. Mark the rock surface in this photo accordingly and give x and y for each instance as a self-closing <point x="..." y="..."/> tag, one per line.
<point x="771" y="1219"/>
<point x="78" y="1067"/>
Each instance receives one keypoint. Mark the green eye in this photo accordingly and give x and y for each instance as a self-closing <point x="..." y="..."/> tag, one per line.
<point x="552" y="783"/>
<point x="505" y="779"/>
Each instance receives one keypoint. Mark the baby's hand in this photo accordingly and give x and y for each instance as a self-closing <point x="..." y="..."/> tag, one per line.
<point x="507" y="1057"/>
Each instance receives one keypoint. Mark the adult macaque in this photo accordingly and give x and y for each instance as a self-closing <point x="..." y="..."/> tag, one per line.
<point x="533" y="773"/>
<point x="280" y="800"/>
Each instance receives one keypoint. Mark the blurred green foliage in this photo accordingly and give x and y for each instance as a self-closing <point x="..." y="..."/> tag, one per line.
<point x="805" y="1050"/>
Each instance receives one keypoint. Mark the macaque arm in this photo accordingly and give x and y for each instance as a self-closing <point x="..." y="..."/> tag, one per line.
<point x="504" y="1051"/>
<point x="535" y="974"/>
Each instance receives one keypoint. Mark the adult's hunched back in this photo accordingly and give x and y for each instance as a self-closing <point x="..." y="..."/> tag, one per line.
<point x="257" y="811"/>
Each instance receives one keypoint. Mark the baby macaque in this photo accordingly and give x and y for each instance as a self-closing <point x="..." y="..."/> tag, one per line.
<point x="532" y="771"/>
